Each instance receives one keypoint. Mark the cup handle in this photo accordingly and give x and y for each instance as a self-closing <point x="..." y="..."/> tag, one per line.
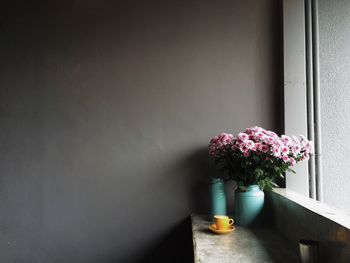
<point x="230" y="222"/>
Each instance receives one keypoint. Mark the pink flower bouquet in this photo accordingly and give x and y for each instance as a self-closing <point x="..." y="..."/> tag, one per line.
<point x="258" y="156"/>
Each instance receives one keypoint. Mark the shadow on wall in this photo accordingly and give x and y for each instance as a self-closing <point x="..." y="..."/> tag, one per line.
<point x="201" y="169"/>
<point x="175" y="246"/>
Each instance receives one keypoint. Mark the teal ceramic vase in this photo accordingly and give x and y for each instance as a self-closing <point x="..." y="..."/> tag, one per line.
<point x="248" y="206"/>
<point x="218" y="197"/>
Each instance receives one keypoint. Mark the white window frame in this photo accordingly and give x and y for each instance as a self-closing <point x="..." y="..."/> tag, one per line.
<point x="301" y="90"/>
<point x="295" y="100"/>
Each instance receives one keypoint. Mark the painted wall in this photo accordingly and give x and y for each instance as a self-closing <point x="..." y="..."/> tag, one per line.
<point x="106" y="110"/>
<point x="334" y="26"/>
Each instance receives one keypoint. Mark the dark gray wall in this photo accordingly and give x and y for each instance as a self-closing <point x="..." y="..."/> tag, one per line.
<point x="106" y="110"/>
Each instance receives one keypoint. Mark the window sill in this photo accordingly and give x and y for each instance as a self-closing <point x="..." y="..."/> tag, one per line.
<point x="336" y="215"/>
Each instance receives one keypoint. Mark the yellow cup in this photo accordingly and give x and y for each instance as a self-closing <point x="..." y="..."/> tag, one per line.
<point x="223" y="222"/>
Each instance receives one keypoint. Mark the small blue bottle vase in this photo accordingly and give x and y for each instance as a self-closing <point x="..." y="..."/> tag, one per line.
<point x="218" y="197"/>
<point x="249" y="207"/>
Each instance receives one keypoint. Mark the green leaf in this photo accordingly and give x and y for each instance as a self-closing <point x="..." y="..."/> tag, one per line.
<point x="274" y="184"/>
<point x="258" y="172"/>
<point x="291" y="170"/>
